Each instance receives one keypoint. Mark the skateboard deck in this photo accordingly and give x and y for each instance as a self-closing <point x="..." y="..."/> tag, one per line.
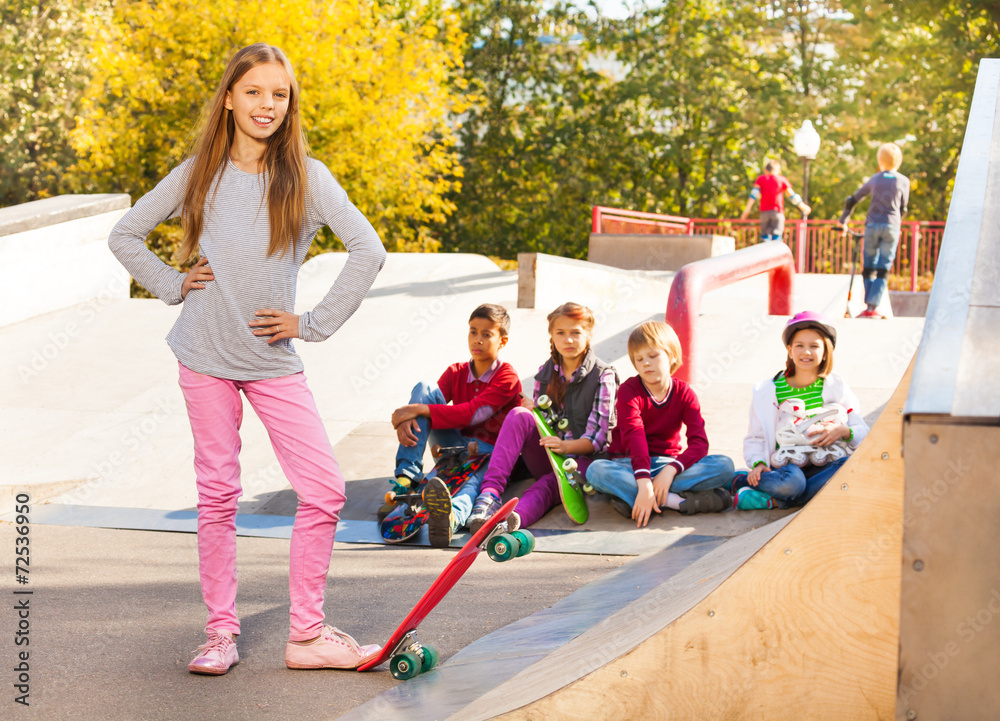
<point x="571" y="486"/>
<point x="406" y="655"/>
<point x="410" y="514"/>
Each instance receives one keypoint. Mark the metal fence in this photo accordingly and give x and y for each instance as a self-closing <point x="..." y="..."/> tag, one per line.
<point x="819" y="246"/>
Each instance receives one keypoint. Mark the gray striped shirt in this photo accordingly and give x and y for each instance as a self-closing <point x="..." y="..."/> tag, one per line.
<point x="212" y="335"/>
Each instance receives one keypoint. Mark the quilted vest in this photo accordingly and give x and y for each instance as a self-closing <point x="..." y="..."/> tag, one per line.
<point x="579" y="397"/>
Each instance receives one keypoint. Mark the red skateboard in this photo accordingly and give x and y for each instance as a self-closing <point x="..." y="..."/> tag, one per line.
<point x="408" y="657"/>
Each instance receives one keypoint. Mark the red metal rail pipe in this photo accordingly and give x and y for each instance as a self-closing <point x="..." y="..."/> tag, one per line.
<point x="696" y="279"/>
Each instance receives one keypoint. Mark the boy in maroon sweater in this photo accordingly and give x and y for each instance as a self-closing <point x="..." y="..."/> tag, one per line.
<point x="480" y="392"/>
<point x="649" y="469"/>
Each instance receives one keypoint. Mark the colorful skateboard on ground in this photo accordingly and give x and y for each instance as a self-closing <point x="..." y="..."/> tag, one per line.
<point x="571" y="484"/>
<point x="408" y="514"/>
<point x="406" y="656"/>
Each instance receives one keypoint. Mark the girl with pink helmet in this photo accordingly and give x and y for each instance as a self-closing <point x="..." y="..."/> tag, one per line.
<point x="804" y="422"/>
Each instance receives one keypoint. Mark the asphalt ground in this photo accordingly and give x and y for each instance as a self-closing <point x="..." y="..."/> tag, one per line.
<point x="113" y="622"/>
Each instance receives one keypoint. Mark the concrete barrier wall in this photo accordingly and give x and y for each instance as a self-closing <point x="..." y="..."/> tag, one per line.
<point x="656" y="252"/>
<point x="54" y="254"/>
<point x="548" y="281"/>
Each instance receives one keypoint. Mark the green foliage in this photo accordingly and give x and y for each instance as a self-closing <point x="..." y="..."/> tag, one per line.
<point x="919" y="63"/>
<point x="43" y="70"/>
<point x="494" y="127"/>
<point x="675" y="109"/>
<point x="376" y="96"/>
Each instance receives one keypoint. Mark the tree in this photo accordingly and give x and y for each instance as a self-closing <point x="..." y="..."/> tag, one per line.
<point x="43" y="71"/>
<point x="376" y="98"/>
<point x="514" y="135"/>
<point x="573" y="111"/>
<point x="917" y="65"/>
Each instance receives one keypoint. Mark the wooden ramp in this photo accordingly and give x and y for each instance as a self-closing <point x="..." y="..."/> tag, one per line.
<point x="796" y="620"/>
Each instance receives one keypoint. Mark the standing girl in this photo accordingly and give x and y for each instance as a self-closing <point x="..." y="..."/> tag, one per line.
<point x="251" y="200"/>
<point x="809" y="339"/>
<point x="582" y="388"/>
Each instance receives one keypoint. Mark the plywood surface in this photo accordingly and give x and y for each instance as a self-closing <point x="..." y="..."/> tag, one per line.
<point x="806" y="628"/>
<point x="950" y="617"/>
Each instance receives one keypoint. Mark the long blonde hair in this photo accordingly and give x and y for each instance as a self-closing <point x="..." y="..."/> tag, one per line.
<point x="284" y="158"/>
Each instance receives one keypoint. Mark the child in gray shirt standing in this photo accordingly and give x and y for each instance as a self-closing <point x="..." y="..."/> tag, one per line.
<point x="251" y="201"/>
<point x="890" y="193"/>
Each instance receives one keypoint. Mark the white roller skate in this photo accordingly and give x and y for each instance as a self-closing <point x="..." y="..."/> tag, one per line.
<point x="795" y="442"/>
<point x="794" y="445"/>
<point x="820" y="456"/>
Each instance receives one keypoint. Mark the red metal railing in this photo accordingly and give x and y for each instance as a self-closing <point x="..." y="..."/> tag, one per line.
<point x="818" y="246"/>
<point x="697" y="278"/>
<point x="621" y="222"/>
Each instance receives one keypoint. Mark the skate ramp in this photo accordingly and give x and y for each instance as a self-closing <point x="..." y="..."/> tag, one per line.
<point x="800" y="614"/>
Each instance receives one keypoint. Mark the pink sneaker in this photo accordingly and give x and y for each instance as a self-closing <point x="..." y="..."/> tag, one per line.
<point x="332" y="649"/>
<point x="216" y="655"/>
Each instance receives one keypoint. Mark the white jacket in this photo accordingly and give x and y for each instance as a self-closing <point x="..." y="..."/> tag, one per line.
<point x="759" y="443"/>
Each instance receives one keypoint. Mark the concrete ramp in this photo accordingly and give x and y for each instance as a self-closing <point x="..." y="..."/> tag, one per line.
<point x="798" y="619"/>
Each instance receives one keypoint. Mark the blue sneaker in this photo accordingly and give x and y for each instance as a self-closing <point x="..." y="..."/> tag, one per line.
<point x="749" y="499"/>
<point x="487" y="503"/>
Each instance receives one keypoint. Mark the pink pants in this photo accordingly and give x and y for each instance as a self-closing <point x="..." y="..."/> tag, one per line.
<point x="287" y="409"/>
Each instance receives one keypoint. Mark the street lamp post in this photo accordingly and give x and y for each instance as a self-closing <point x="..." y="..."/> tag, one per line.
<point x="806" y="144"/>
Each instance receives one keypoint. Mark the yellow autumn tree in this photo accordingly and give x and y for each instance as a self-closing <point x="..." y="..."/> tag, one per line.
<point x="378" y="84"/>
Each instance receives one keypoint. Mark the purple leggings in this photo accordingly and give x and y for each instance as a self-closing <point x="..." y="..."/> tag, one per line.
<point x="519" y="437"/>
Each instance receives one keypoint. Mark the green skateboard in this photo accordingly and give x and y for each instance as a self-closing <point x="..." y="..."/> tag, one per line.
<point x="571" y="485"/>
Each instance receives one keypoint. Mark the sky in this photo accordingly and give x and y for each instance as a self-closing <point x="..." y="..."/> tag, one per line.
<point x="614" y="8"/>
<point x="617" y="9"/>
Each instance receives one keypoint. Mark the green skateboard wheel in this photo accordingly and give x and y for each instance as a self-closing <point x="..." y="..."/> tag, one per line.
<point x="503" y="547"/>
<point x="526" y="540"/>
<point x="430" y="659"/>
<point x="544" y="402"/>
<point x="404" y="665"/>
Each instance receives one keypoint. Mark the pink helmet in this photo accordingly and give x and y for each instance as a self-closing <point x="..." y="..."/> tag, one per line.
<point x="809" y="319"/>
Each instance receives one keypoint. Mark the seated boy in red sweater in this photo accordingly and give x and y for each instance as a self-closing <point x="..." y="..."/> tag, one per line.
<point x="649" y="469"/>
<point x="480" y="392"/>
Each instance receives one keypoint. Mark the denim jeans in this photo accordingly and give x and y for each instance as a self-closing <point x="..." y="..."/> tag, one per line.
<point x="616" y="477"/>
<point x="772" y="224"/>
<point x="410" y="460"/>
<point x="792" y="485"/>
<point x="881" y="240"/>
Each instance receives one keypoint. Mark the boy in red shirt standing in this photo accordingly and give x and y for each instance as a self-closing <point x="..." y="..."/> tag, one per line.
<point x="770" y="189"/>
<point x="480" y="392"/>
<point x="649" y="470"/>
